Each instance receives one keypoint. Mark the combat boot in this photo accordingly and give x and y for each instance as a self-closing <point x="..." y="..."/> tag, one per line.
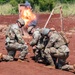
<point x="1" y="56"/>
<point x="23" y="60"/>
<point x="20" y="60"/>
<point x="74" y="67"/>
<point x="50" y="67"/>
<point x="40" y="61"/>
<point x="7" y="58"/>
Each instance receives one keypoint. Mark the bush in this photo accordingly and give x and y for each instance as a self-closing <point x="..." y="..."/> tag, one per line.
<point x="14" y="4"/>
<point x="46" y="5"/>
<point x="3" y="1"/>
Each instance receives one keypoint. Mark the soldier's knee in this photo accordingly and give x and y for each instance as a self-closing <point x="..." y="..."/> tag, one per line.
<point x="46" y="51"/>
<point x="24" y="47"/>
<point x="63" y="55"/>
<point x="52" y="50"/>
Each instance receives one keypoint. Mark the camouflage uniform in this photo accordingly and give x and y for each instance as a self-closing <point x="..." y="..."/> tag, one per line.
<point x="44" y="32"/>
<point x="37" y="42"/>
<point x="15" y="42"/>
<point x="57" y="48"/>
<point x="41" y="42"/>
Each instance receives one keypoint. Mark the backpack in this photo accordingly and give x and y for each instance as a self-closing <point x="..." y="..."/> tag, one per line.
<point x="64" y="37"/>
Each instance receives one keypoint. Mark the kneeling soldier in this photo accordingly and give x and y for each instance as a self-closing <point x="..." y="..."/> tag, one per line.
<point x="57" y="48"/>
<point x="14" y="42"/>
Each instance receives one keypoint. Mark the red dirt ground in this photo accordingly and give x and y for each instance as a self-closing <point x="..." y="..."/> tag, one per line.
<point x="32" y="68"/>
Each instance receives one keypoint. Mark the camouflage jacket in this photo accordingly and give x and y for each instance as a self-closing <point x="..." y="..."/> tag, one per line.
<point x="55" y="40"/>
<point x="14" y="34"/>
<point x="36" y="37"/>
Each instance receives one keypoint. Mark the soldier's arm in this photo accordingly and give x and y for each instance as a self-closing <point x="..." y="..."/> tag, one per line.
<point x="18" y="36"/>
<point x="36" y="37"/>
<point x="33" y="42"/>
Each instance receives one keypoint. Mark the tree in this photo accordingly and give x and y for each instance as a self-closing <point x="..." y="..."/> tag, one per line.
<point x="4" y="1"/>
<point x="46" y="4"/>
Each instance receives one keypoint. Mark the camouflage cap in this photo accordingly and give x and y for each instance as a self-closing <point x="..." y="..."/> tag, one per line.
<point x="21" y="21"/>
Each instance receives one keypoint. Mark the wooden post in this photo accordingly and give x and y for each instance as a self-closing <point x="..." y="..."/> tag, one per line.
<point x="49" y="18"/>
<point x="19" y="10"/>
<point x="61" y="19"/>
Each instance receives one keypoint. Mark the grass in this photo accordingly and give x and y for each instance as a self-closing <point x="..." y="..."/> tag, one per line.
<point x="68" y="9"/>
<point x="5" y="9"/>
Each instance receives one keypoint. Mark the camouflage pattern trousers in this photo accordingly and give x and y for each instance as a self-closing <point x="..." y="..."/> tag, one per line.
<point x="54" y="55"/>
<point x="13" y="47"/>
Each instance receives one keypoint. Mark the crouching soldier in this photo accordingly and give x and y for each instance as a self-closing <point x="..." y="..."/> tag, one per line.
<point x="14" y="42"/>
<point x="36" y="43"/>
<point x="57" y="48"/>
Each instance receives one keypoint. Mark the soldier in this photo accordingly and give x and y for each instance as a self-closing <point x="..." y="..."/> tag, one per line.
<point x="57" y="48"/>
<point x="14" y="42"/>
<point x="36" y="43"/>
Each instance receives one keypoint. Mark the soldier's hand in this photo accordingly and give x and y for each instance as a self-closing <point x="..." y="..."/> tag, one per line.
<point x="27" y="43"/>
<point x="34" y="47"/>
<point x="40" y="46"/>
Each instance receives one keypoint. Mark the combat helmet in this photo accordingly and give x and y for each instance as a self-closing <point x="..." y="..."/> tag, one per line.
<point x="30" y="29"/>
<point x="44" y="31"/>
<point x="21" y="21"/>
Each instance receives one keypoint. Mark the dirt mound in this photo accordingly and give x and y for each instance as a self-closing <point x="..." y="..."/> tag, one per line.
<point x="29" y="67"/>
<point x="68" y="22"/>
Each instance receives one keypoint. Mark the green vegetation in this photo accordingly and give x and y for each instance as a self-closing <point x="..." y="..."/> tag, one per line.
<point x="5" y="9"/>
<point x="39" y="6"/>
